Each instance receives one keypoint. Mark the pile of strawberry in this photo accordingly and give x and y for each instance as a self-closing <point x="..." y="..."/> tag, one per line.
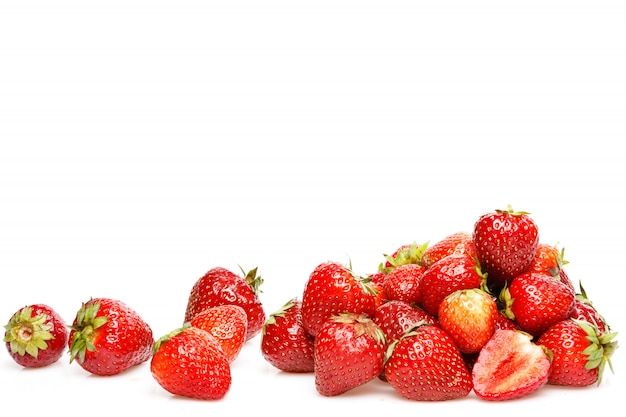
<point x="492" y="312"/>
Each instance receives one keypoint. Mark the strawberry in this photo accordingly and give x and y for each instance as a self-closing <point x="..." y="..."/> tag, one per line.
<point x="220" y="286"/>
<point x="469" y="317"/>
<point x="402" y="283"/>
<point x="108" y="337"/>
<point x="459" y="242"/>
<point x="506" y="242"/>
<point x="405" y="254"/>
<point x="454" y="272"/>
<point x="509" y="366"/>
<point x="285" y="343"/>
<point x="548" y="259"/>
<point x="36" y="336"/>
<point x="189" y="362"/>
<point x="228" y="324"/>
<point x="331" y="289"/>
<point x="536" y="301"/>
<point x="396" y="317"/>
<point x="349" y="351"/>
<point x="579" y="352"/>
<point x="426" y="365"/>
<point x="585" y="310"/>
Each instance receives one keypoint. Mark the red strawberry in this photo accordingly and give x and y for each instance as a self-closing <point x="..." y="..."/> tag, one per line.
<point x="426" y="365"/>
<point x="548" y="259"/>
<point x="402" y="283"/>
<point x="584" y="310"/>
<point x="396" y="317"/>
<point x="506" y="242"/>
<point x="469" y="317"/>
<point x="536" y="301"/>
<point x="285" y="343"/>
<point x="349" y="352"/>
<point x="220" y="286"/>
<point x="108" y="337"/>
<point x="460" y="242"/>
<point x="579" y="352"/>
<point x="509" y="366"/>
<point x="189" y="362"/>
<point x="36" y="336"/>
<point x="405" y="254"/>
<point x="228" y="324"/>
<point x="454" y="272"/>
<point x="332" y="288"/>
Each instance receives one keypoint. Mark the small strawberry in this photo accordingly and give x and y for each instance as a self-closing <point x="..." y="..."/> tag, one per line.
<point x="228" y="323"/>
<point x="189" y="362"/>
<point x="349" y="352"/>
<point x="331" y="289"/>
<point x="396" y="317"/>
<point x="469" y="317"/>
<point x="585" y="310"/>
<point x="402" y="283"/>
<point x="426" y="365"/>
<point x="509" y="366"/>
<point x="506" y="242"/>
<point x="108" y="337"/>
<point x="405" y="254"/>
<point x="454" y="272"/>
<point x="36" y="336"/>
<point x="220" y="286"/>
<point x="549" y="259"/>
<point x="579" y="352"/>
<point x="536" y="301"/>
<point x="285" y="343"/>
<point x="460" y="242"/>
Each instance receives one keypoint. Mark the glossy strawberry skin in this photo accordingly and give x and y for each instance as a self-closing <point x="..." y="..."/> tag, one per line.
<point x="506" y="243"/>
<point x="228" y="324"/>
<point x="402" y="283"/>
<point x="220" y="286"/>
<point x="349" y="351"/>
<point x="333" y="289"/>
<point x="36" y="336"/>
<point x="285" y="343"/>
<point x="456" y="243"/>
<point x="119" y="336"/>
<point x="426" y="365"/>
<point x="189" y="362"/>
<point x="396" y="317"/>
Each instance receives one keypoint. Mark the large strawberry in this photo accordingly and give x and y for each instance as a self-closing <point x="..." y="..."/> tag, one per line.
<point x="579" y="352"/>
<point x="459" y="242"/>
<point x="332" y="288"/>
<point x="349" y="352"/>
<point x="221" y="286"/>
<point x="285" y="343"/>
<point x="536" y="301"/>
<point x="506" y="242"/>
<point x="228" y="324"/>
<point x="426" y="365"/>
<point x="509" y="366"/>
<point x="108" y="337"/>
<point x="189" y="362"/>
<point x="36" y="336"/>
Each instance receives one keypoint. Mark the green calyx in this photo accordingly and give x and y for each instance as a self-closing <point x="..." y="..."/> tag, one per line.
<point x="87" y="322"/>
<point x="27" y="334"/>
<point x="255" y="281"/>
<point x="601" y="348"/>
<point x="168" y="336"/>
<point x="411" y="254"/>
<point x="509" y="210"/>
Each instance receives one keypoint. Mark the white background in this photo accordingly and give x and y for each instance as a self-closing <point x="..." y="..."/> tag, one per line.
<point x="143" y="143"/>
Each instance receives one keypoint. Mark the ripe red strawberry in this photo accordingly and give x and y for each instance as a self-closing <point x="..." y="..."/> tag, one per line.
<point x="405" y="254"/>
<point x="426" y="365"/>
<point x="108" y="337"/>
<point x="454" y="272"/>
<point x="220" y="286"/>
<point x="506" y="242"/>
<point x="228" y="324"/>
<point x="285" y="343"/>
<point x="509" y="366"/>
<point x="548" y="259"/>
<point x="585" y="310"/>
<point x="36" y="336"/>
<point x="189" y="362"/>
<point x="349" y="351"/>
<point x="396" y="317"/>
<point x="332" y="288"/>
<point x="460" y="242"/>
<point x="579" y="352"/>
<point x="402" y="283"/>
<point x="469" y="317"/>
<point x="536" y="301"/>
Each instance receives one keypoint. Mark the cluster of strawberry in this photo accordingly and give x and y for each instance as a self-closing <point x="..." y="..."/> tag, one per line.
<point x="492" y="312"/>
<point x="108" y="337"/>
